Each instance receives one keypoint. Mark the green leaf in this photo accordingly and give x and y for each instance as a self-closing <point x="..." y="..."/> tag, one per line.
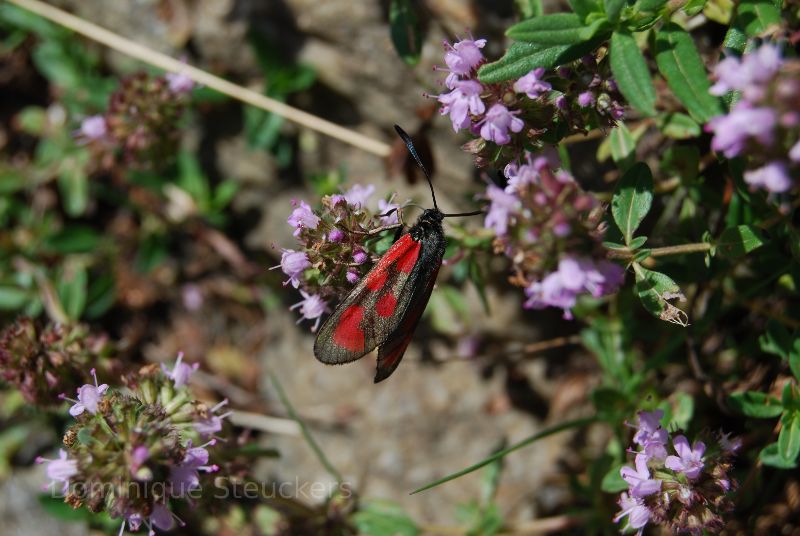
<point x="73" y="183"/>
<point x="613" y="9"/>
<point x="631" y="73"/>
<point x="522" y="58"/>
<point x="776" y="340"/>
<point x="615" y="246"/>
<point x="651" y="5"/>
<point x="678" y="126"/>
<point x="756" y="404"/>
<point x="632" y="199"/>
<point x="680" y="63"/>
<point x="735" y="39"/>
<point x="693" y="7"/>
<point x="655" y="290"/>
<point x="612" y="481"/>
<point x="577" y="423"/>
<point x="584" y="8"/>
<point x="556" y="29"/>
<point x="738" y="241"/>
<point x="770" y="455"/>
<point x="637" y="242"/>
<point x="789" y="437"/>
<point x="405" y="30"/>
<point x="73" y="239"/>
<point x="72" y="289"/>
<point x="529" y="8"/>
<point x="383" y="518"/>
<point x="13" y="298"/>
<point x="754" y="17"/>
<point x="623" y="146"/>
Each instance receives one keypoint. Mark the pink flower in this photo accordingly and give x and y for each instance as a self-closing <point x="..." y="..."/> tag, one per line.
<point x="358" y="195"/>
<point x="352" y="277"/>
<point x="651" y="435"/>
<point x="386" y="206"/>
<point x="211" y="424"/>
<point x="88" y="397"/>
<point x="794" y="152"/>
<point x="186" y="477"/>
<point x="689" y="461"/>
<point x="336" y="235"/>
<point x="60" y="470"/>
<point x="773" y="177"/>
<point x="179" y="83"/>
<point x="731" y="446"/>
<point x="312" y="307"/>
<point x="302" y="217"/>
<point x="639" y="481"/>
<point x="293" y="264"/>
<point x="465" y="99"/>
<point x="532" y="84"/>
<point x="586" y="99"/>
<point x="462" y="57"/>
<point x="633" y="507"/>
<point x="359" y="257"/>
<point x="502" y="207"/>
<point x="94" y="128"/>
<point x="732" y="131"/>
<point x="750" y="74"/>
<point x="498" y="122"/>
<point x="181" y="372"/>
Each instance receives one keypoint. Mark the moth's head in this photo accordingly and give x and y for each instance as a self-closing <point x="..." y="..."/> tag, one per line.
<point x="431" y="215"/>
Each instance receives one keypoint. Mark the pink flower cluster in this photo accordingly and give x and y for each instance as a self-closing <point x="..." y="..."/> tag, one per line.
<point x="551" y="230"/>
<point x="685" y="491"/>
<point x="765" y="123"/>
<point x="332" y="256"/>
<point x="581" y="96"/>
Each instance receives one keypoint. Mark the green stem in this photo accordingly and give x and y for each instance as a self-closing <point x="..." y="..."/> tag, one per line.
<point x="306" y="433"/>
<point x="681" y="249"/>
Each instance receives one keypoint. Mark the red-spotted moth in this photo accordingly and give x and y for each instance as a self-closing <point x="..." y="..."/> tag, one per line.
<point x="384" y="308"/>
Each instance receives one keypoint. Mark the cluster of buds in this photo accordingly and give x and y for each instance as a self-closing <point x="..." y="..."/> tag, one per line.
<point x="508" y="117"/>
<point x="765" y="123"/>
<point x="551" y="230"/>
<point x="134" y="449"/>
<point x="40" y="360"/>
<point x="142" y="120"/>
<point x="687" y="491"/>
<point x="337" y="245"/>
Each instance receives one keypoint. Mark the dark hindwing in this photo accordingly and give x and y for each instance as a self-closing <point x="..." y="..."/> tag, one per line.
<point x="374" y="308"/>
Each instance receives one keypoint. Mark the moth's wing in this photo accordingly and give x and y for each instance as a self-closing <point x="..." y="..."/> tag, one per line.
<point x="391" y="352"/>
<point x="373" y="309"/>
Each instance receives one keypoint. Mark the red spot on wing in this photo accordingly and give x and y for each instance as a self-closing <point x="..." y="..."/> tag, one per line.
<point x="348" y="334"/>
<point x="377" y="279"/>
<point x="386" y="305"/>
<point x="406" y="262"/>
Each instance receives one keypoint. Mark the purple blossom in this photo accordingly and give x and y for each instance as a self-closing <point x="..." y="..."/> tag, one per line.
<point x="532" y="84"/>
<point x="639" y="481"/>
<point x="186" y="477"/>
<point x="179" y="83"/>
<point x="181" y="372"/>
<point x="794" y="152"/>
<point x="94" y="128"/>
<point x="748" y="74"/>
<point x="293" y="264"/>
<point x="139" y="456"/>
<point x="161" y="517"/>
<point x="386" y="206"/>
<point x="773" y="177"/>
<point x="352" y="277"/>
<point x="633" y="507"/>
<point x="462" y="57"/>
<point x="336" y="235"/>
<point x="650" y="435"/>
<point x="311" y="307"/>
<point x="498" y="121"/>
<point x="732" y="131"/>
<point x="729" y="445"/>
<point x="60" y="470"/>
<point x="360" y="257"/>
<point x="464" y="99"/>
<point x="358" y="195"/>
<point x="302" y="217"/>
<point x="192" y="296"/>
<point x="689" y="460"/>
<point x="561" y="102"/>
<point x="502" y="207"/>
<point x="574" y="276"/>
<point x="211" y="424"/>
<point x="88" y="397"/>
<point x="586" y="99"/>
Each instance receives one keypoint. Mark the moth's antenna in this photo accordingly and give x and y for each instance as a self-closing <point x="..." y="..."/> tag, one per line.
<point x="407" y="139"/>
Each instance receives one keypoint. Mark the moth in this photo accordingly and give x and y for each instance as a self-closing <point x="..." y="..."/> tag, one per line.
<point x="383" y="309"/>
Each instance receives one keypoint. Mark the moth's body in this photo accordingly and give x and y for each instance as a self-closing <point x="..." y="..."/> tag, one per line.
<point x="384" y="308"/>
